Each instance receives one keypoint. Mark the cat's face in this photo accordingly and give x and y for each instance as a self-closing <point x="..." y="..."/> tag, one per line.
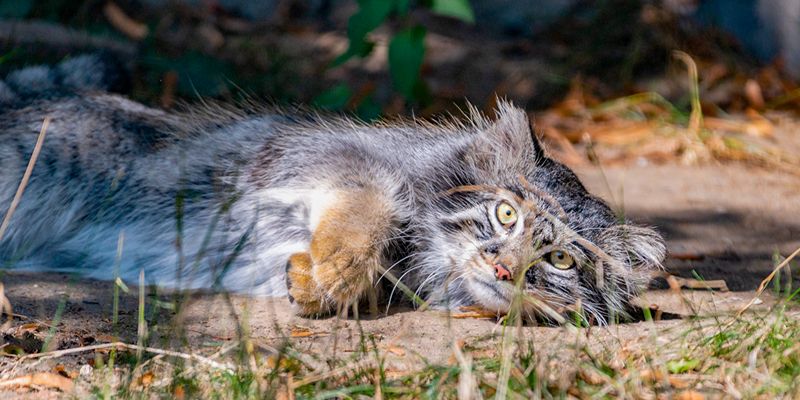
<point x="524" y="229"/>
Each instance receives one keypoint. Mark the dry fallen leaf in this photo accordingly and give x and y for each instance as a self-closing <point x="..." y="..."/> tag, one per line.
<point x="689" y="395"/>
<point x="276" y="361"/>
<point x="61" y="370"/>
<point x="758" y="127"/>
<point x="146" y="379"/>
<point x="302" y="331"/>
<point x="753" y="93"/>
<point x="483" y="353"/>
<point x="678" y="383"/>
<point x="396" y="350"/>
<point x="392" y="373"/>
<point x="650" y="375"/>
<point x="105" y="338"/>
<point x="592" y="377"/>
<point x="179" y="393"/>
<point x="621" y="133"/>
<point x="46" y="379"/>
<point x="30" y="327"/>
<point x="473" y="312"/>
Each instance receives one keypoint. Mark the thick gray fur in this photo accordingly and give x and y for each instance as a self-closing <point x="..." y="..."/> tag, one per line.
<point x="223" y="196"/>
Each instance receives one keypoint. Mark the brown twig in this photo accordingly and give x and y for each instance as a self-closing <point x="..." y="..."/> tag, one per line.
<point x="357" y="366"/>
<point x="5" y="304"/>
<point x="676" y="282"/>
<point x="21" y="33"/>
<point x="123" y="23"/>
<point x="5" y="307"/>
<point x="170" y="353"/>
<point x="25" y="177"/>
<point x="767" y="280"/>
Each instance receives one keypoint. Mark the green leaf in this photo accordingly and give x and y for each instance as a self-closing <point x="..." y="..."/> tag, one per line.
<point x="422" y="93"/>
<point x="198" y="74"/>
<point x="369" y="109"/>
<point x="459" y="9"/>
<point x="15" y="9"/>
<point x="335" y="98"/>
<point x="682" y="366"/>
<point x="359" y="49"/>
<point x="370" y="15"/>
<point x="406" y="53"/>
<point x="401" y="6"/>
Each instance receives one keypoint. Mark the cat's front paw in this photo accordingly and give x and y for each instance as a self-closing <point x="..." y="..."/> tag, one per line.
<point x="339" y="280"/>
<point x="304" y="294"/>
<point x="344" y="255"/>
<point x="345" y="275"/>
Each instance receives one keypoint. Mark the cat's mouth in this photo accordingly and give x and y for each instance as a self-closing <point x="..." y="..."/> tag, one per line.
<point x="496" y="289"/>
<point x="489" y="290"/>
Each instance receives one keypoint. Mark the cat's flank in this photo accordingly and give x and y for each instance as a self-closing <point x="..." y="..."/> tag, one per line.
<point x="463" y="213"/>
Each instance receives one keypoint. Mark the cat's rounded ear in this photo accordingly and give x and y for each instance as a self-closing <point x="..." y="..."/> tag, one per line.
<point x="510" y="135"/>
<point x="641" y="250"/>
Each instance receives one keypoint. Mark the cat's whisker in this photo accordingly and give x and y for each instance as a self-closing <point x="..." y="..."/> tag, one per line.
<point x="399" y="281"/>
<point x="396" y="263"/>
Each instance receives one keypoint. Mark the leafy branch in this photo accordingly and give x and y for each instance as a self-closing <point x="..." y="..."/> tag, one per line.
<point x="406" y="49"/>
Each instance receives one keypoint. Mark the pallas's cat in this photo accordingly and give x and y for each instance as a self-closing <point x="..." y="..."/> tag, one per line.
<point x="467" y="212"/>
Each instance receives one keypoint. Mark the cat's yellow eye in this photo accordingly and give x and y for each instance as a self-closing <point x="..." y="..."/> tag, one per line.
<point x="561" y="260"/>
<point x="506" y="214"/>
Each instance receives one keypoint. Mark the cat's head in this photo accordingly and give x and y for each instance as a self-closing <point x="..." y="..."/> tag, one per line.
<point x="519" y="220"/>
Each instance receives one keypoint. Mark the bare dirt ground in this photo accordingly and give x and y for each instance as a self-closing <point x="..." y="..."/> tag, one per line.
<point x="723" y="221"/>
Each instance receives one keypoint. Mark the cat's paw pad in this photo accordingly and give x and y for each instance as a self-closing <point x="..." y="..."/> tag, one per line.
<point x="304" y="293"/>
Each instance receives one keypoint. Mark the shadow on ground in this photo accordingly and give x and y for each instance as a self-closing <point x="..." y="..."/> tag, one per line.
<point x="749" y="245"/>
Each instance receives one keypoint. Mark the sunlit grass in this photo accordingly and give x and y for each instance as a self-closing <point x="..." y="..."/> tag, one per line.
<point x="756" y="355"/>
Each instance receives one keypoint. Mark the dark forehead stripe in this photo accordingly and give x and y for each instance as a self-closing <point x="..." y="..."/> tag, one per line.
<point x="456" y="201"/>
<point x="480" y="227"/>
<point x="517" y="190"/>
<point x="587" y="214"/>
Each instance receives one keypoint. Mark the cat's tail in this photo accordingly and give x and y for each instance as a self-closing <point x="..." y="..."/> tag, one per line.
<point x="100" y="71"/>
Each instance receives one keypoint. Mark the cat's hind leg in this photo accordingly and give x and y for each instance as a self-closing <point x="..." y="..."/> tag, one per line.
<point x="345" y="252"/>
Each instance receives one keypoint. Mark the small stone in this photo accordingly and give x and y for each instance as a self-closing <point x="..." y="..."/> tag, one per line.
<point x="86" y="371"/>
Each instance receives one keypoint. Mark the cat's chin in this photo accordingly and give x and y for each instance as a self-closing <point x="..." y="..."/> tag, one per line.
<point x="492" y="296"/>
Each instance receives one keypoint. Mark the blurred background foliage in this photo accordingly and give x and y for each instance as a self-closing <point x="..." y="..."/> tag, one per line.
<point x="389" y="57"/>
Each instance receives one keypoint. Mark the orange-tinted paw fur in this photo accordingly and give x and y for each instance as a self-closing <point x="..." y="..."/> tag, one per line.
<point x="345" y="275"/>
<point x="303" y="291"/>
<point x="344" y="254"/>
<point x="347" y="244"/>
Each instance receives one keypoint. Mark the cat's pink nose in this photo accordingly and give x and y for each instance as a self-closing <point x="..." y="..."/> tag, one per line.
<point x="502" y="273"/>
